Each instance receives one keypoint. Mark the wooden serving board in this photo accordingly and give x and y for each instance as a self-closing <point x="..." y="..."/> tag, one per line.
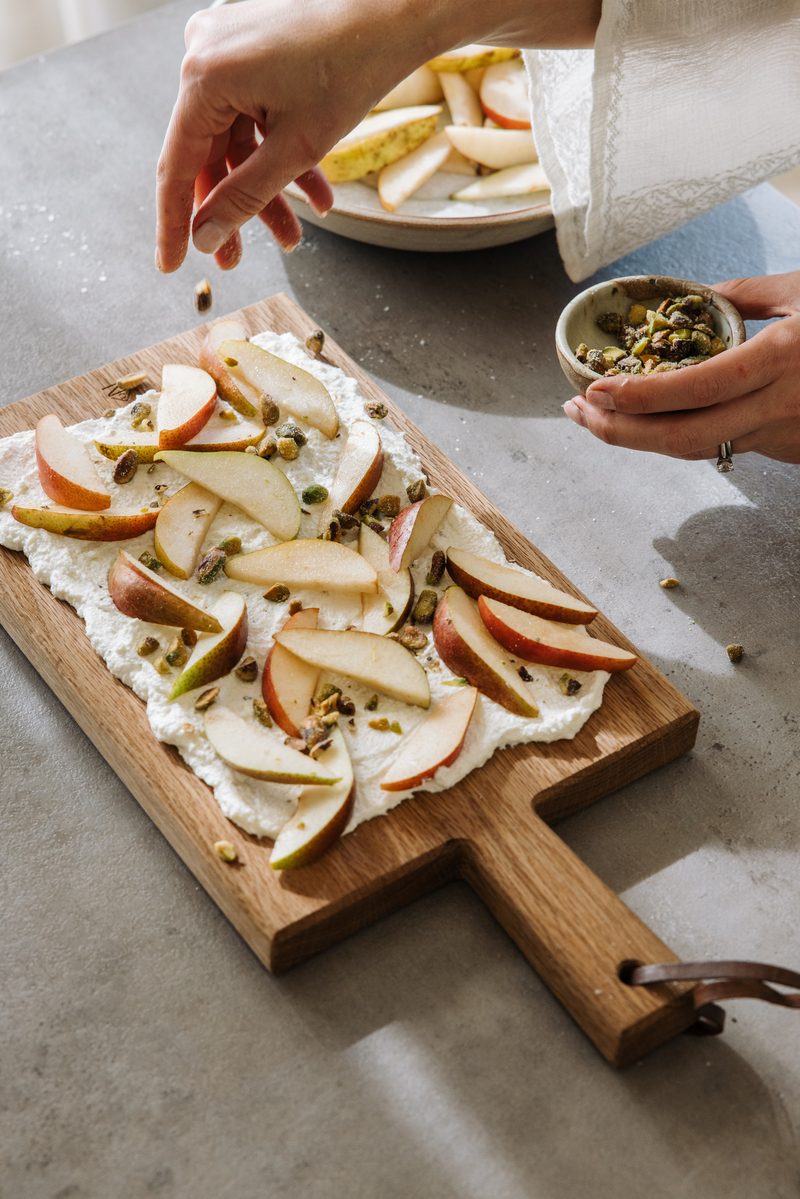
<point x="491" y="829"/>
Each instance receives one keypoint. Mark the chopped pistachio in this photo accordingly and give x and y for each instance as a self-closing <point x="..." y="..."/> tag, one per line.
<point x="326" y="692"/>
<point x="346" y="519"/>
<point x="333" y="531"/>
<point x="315" y="494"/>
<point x="455" y="682"/>
<point x="147" y="559"/>
<point x="376" y="409"/>
<point x="295" y="606"/>
<point x="382" y="725"/>
<point x="162" y="666"/>
<point x="612" y="354"/>
<point x="125" y="467"/>
<point x="395" y="727"/>
<point x="188" y="637"/>
<point x="330" y="718"/>
<point x="251" y="449"/>
<point x="438" y="562"/>
<point x="6" y="496"/>
<point x="296" y="743"/>
<point x="413" y="639"/>
<point x="228" y="414"/>
<point x="270" y="412"/>
<point x="663" y="367"/>
<point x="376" y="527"/>
<point x="261" y="713"/>
<point x="203" y="299"/>
<point x="230" y="361"/>
<point x="290" y="429"/>
<point x="582" y="351"/>
<point x="611" y="322"/>
<point x="596" y="362"/>
<point x="139" y="412"/>
<point x="247" y="671"/>
<point x="345" y="705"/>
<point x="226" y="850"/>
<point x="177" y="654"/>
<point x="206" y="699"/>
<point x="640" y="347"/>
<point x="682" y="335"/>
<point x="129" y="382"/>
<point x="388" y="610"/>
<point x="288" y="448"/>
<point x="371" y="703"/>
<point x="212" y="565"/>
<point x="277" y="593"/>
<point x="109" y="412"/>
<point x="416" y="491"/>
<point x="231" y="546"/>
<point x="667" y="583"/>
<point x="315" y="341"/>
<point x="717" y="346"/>
<point x="569" y="685"/>
<point x="389" y="505"/>
<point x="319" y="748"/>
<point x="368" y="507"/>
<point x="266" y="447"/>
<point x="313" y="731"/>
<point x="525" y="675"/>
<point x="694" y="360"/>
<point x="637" y="314"/>
<point x="735" y="652"/>
<point x="147" y="646"/>
<point x="425" y="607"/>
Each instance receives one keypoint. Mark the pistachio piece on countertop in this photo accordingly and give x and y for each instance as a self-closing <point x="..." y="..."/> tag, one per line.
<point x="109" y="412"/>
<point x="376" y="409"/>
<point x="147" y="646"/>
<point x="270" y="412"/>
<point x="667" y="583"/>
<point x="125" y="467"/>
<point x="226" y="850"/>
<point x="212" y="565"/>
<point x="438" y="562"/>
<point x="416" y="491"/>
<point x="261" y="713"/>
<point x="425" y="607"/>
<point x="277" y="593"/>
<point x="203" y="299"/>
<point x="288" y="448"/>
<point x="315" y="494"/>
<point x="206" y="699"/>
<point x="315" y="341"/>
<point x="735" y="652"/>
<point x="247" y="671"/>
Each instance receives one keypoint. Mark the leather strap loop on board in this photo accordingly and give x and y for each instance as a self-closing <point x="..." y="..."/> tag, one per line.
<point x="733" y="980"/>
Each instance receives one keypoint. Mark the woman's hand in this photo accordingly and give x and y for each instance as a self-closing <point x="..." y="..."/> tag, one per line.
<point x="749" y="396"/>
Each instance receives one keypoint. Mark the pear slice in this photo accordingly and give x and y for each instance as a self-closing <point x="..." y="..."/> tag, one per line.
<point x="239" y="394"/>
<point x="113" y="524"/>
<point x="253" y="751"/>
<point x="380" y="139"/>
<point x="435" y="743"/>
<point x="411" y="530"/>
<point x="480" y="576"/>
<point x="375" y="661"/>
<point x="537" y="640"/>
<point x="322" y="812"/>
<point x="296" y="391"/>
<point x="250" y="482"/>
<point x="357" y="473"/>
<point x="138" y="592"/>
<point x="504" y="94"/>
<point x="182" y="526"/>
<point x="420" y="87"/>
<point x="386" y="611"/>
<point x="66" y="472"/>
<point x="288" y="684"/>
<point x="495" y="148"/>
<point x="216" y="654"/>
<point x="317" y="565"/>
<point x="523" y="180"/>
<point x="462" y="100"/>
<point x="145" y="444"/>
<point x="469" y="58"/>
<point x="215" y="436"/>
<point x="401" y="179"/>
<point x="187" y="402"/>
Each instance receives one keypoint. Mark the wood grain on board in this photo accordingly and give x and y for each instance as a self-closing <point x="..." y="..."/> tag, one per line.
<point x="491" y="829"/>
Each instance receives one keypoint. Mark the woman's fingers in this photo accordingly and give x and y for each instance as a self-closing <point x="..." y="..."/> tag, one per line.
<point x="228" y="255"/>
<point x="318" y="190"/>
<point x="282" y="223"/>
<point x="761" y="298"/>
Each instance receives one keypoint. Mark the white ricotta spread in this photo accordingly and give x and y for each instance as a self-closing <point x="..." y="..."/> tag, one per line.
<point x="76" y="571"/>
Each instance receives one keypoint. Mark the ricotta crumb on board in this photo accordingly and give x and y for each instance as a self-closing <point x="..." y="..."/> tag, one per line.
<point x="76" y="571"/>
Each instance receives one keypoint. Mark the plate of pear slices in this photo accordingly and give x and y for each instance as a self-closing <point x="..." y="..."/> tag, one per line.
<point x="445" y="162"/>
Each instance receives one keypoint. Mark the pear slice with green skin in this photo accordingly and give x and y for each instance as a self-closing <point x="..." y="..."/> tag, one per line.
<point x="322" y="813"/>
<point x="306" y="563"/>
<point x="182" y="526"/>
<point x="379" y="140"/>
<point x="395" y="588"/>
<point x="296" y="391"/>
<point x="251" y="483"/>
<point x="138" y="592"/>
<point x="216" y="654"/>
<point x="470" y="57"/>
<point x="254" y="752"/>
<point x="112" y="524"/>
<point x="368" y="658"/>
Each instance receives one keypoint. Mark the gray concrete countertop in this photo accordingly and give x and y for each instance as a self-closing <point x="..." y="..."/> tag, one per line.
<point x="144" y="1049"/>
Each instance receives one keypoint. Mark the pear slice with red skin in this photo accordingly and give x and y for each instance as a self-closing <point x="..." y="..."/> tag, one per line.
<point x="395" y="588"/>
<point x="66" y="472"/>
<point x="298" y="392"/>
<point x="289" y="684"/>
<point x="479" y="576"/>
<point x="113" y="524"/>
<point x="182" y="526"/>
<point x="139" y="593"/>
<point x="376" y="661"/>
<point x="252" y="751"/>
<point x="216" y="436"/>
<point x="216" y="654"/>
<point x="306" y="563"/>
<point x="435" y="743"/>
<point x="466" y="647"/>
<point x="239" y="394"/>
<point x="550" y="644"/>
<point x="504" y="94"/>
<point x="187" y="402"/>
<point x="322" y="813"/>
<point x="411" y="530"/>
<point x="358" y="472"/>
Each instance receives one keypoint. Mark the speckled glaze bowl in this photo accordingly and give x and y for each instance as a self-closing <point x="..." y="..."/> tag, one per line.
<point x="577" y="322"/>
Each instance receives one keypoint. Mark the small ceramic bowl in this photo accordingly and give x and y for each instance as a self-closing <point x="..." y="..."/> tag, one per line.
<point x="577" y="322"/>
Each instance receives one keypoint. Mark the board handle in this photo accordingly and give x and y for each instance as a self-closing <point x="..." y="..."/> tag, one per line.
<point x="576" y="933"/>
